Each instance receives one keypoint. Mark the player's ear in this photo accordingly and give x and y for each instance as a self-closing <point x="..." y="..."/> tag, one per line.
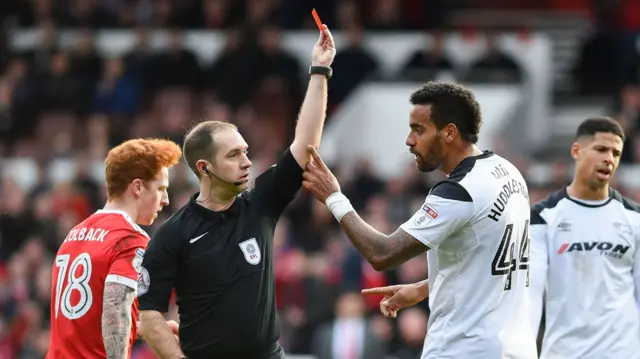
<point x="450" y="132"/>
<point x="575" y="151"/>
<point x="137" y="186"/>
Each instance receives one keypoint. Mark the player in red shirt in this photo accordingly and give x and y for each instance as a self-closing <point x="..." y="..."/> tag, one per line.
<point x="94" y="310"/>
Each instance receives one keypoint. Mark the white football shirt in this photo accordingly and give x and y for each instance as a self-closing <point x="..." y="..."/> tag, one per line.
<point x="475" y="224"/>
<point x="585" y="256"/>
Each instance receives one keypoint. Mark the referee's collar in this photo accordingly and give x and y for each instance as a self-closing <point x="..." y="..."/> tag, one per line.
<point x="209" y="214"/>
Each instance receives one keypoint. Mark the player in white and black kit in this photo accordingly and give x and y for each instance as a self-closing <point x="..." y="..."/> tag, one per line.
<point x="474" y="225"/>
<point x="585" y="255"/>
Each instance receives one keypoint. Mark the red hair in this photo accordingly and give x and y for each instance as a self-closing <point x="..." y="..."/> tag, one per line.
<point x="138" y="159"/>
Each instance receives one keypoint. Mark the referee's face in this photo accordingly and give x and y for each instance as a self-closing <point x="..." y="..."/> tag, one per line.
<point x="597" y="158"/>
<point x="424" y="139"/>
<point x="232" y="163"/>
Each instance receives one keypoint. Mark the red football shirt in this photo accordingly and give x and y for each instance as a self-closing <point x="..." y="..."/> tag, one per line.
<point x="106" y="247"/>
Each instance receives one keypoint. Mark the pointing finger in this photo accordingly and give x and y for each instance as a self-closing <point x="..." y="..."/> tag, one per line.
<point x="316" y="157"/>
<point x="309" y="167"/>
<point x="378" y="291"/>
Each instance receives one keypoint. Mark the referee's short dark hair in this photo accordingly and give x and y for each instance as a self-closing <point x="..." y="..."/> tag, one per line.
<point x="451" y="103"/>
<point x="199" y="143"/>
<point x="593" y="125"/>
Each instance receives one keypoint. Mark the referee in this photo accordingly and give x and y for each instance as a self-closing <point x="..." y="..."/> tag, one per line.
<point x="217" y="250"/>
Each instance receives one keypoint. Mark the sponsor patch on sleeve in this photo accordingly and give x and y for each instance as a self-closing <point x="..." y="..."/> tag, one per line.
<point x="424" y="216"/>
<point x="430" y="211"/>
<point x="137" y="259"/>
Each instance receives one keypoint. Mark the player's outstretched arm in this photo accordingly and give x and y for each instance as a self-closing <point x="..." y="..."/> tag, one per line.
<point x="399" y="296"/>
<point x="159" y="335"/>
<point x="382" y="251"/>
<point x="314" y="108"/>
<point x="116" y="319"/>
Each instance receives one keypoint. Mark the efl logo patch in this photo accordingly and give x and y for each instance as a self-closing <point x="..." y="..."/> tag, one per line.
<point x="430" y="211"/>
<point x="251" y="251"/>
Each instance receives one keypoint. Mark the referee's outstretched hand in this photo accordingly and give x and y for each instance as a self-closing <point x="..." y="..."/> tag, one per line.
<point x="324" y="50"/>
<point x="318" y="179"/>
<point x="396" y="297"/>
<point x="172" y="324"/>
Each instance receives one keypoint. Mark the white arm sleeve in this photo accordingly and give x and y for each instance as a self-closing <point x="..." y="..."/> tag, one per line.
<point x="539" y="263"/>
<point x="636" y="269"/>
<point x="447" y="208"/>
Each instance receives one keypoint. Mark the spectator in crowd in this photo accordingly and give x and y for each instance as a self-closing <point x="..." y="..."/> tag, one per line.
<point x="428" y="62"/>
<point x="348" y="336"/>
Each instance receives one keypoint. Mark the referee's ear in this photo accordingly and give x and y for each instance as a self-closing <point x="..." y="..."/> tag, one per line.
<point x="203" y="167"/>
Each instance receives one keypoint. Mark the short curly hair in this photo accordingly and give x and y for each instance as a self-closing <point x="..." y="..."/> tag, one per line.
<point x="138" y="159"/>
<point x="451" y="103"/>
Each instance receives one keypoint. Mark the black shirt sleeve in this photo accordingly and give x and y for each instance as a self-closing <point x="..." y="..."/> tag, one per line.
<point x="278" y="185"/>
<point x="160" y="269"/>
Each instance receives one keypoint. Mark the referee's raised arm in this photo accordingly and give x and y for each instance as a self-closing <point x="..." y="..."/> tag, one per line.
<point x="313" y="111"/>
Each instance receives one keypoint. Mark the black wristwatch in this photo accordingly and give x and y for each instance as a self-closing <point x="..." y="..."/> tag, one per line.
<point x="321" y="70"/>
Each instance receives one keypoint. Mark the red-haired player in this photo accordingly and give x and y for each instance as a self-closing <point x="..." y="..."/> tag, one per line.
<point x="94" y="309"/>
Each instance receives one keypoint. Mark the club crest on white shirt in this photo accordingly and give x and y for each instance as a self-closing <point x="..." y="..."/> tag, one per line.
<point x="251" y="251"/>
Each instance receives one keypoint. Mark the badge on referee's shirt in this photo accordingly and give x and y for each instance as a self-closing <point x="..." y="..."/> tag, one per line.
<point x="251" y="251"/>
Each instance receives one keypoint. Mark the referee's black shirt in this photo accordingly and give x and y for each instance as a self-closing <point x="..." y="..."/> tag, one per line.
<point x="221" y="265"/>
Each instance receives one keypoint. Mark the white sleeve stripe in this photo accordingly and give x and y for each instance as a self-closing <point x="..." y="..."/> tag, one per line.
<point x="114" y="278"/>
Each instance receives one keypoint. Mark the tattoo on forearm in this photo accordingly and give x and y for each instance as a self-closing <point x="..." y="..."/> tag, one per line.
<point x="116" y="319"/>
<point x="382" y="251"/>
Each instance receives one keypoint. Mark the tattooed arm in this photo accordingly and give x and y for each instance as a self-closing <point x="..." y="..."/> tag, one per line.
<point x="382" y="251"/>
<point x="427" y="229"/>
<point x="116" y="319"/>
<point x="447" y="210"/>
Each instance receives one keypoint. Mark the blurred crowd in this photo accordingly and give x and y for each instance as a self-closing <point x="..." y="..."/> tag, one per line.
<point x="223" y="14"/>
<point x="61" y="111"/>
